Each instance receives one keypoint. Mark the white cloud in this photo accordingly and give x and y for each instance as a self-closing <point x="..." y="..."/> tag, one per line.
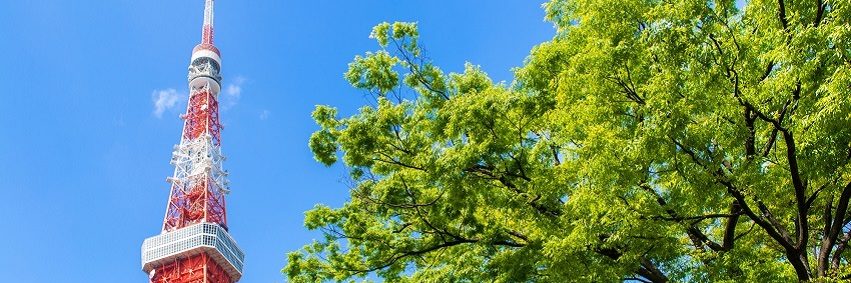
<point x="265" y="114"/>
<point x="233" y="92"/>
<point x="164" y="100"/>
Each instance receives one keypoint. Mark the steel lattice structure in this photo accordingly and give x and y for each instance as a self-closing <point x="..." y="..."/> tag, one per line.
<point x="194" y="245"/>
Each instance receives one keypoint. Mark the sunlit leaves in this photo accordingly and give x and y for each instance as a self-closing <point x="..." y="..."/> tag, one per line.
<point x="373" y="72"/>
<point x="323" y="143"/>
<point x="625" y="147"/>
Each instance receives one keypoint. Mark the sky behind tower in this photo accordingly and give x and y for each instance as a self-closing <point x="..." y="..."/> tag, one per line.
<point x="93" y="90"/>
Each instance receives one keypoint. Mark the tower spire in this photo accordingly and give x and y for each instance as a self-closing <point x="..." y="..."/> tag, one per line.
<point x="207" y="29"/>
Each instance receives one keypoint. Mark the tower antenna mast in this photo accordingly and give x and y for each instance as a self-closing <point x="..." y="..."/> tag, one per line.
<point x="207" y="28"/>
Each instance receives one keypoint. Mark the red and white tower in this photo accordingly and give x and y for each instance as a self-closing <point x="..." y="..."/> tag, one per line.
<point x="194" y="245"/>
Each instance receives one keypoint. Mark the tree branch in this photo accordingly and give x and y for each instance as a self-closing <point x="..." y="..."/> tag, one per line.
<point x="767" y="221"/>
<point x="819" y="12"/>
<point x="781" y="13"/>
<point x="730" y="228"/>
<point x="829" y="239"/>
<point x="651" y="272"/>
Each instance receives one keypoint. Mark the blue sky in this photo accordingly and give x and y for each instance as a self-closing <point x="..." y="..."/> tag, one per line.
<point x="84" y="148"/>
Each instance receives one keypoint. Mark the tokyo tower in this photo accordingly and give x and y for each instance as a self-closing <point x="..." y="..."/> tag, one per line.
<point x="194" y="245"/>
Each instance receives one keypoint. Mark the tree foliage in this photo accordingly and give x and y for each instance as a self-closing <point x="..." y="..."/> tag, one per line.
<point x="649" y="140"/>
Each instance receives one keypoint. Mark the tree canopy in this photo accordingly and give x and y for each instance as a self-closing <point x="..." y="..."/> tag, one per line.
<point x="649" y="140"/>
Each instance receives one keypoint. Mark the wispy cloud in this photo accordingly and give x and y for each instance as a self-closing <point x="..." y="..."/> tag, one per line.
<point x="167" y="99"/>
<point x="164" y="100"/>
<point x="265" y="114"/>
<point x="232" y="92"/>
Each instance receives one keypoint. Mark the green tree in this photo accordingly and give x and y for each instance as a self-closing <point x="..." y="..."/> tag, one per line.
<point x="648" y="140"/>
